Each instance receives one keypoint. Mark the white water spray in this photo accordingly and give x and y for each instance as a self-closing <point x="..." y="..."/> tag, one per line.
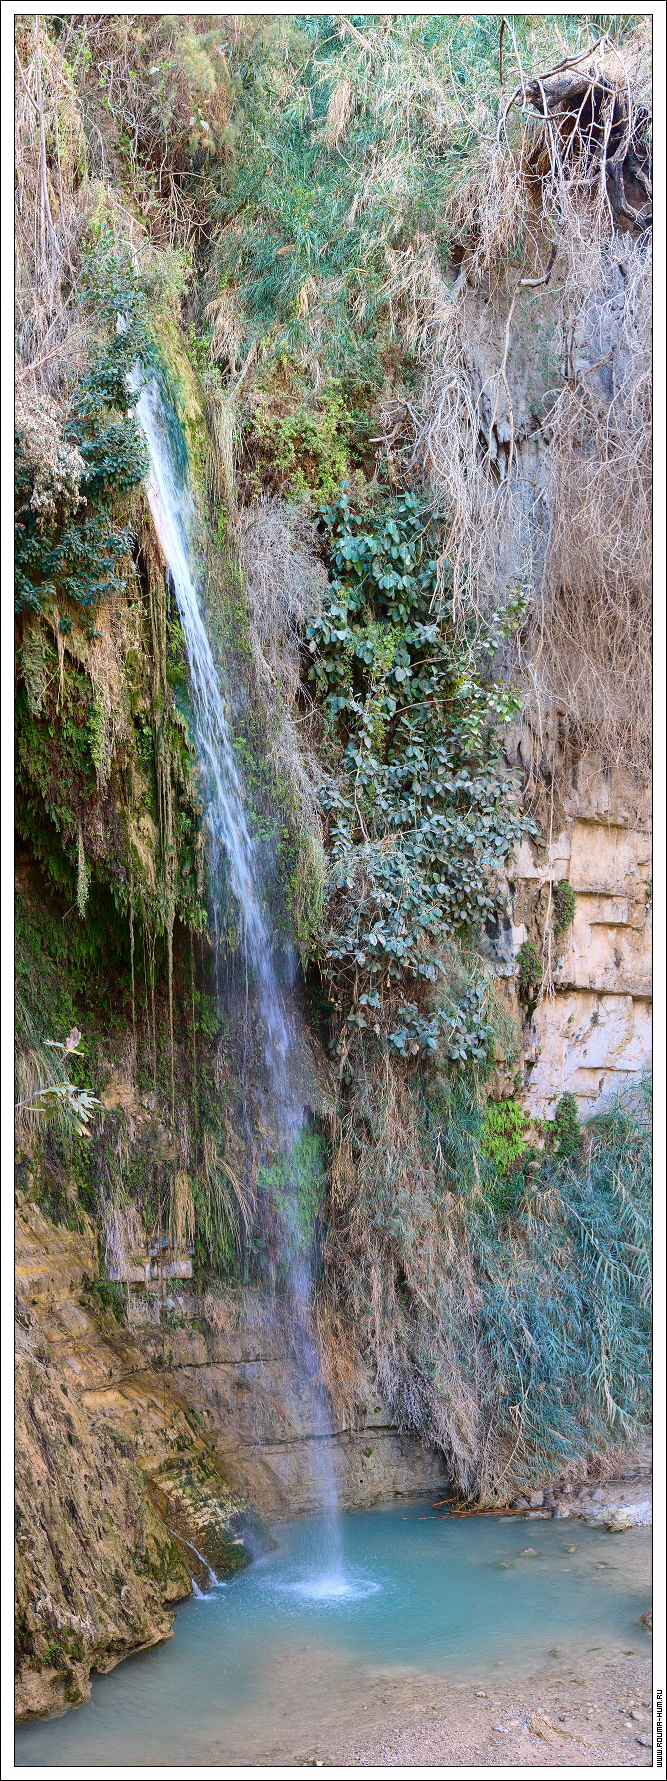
<point x="233" y="852"/>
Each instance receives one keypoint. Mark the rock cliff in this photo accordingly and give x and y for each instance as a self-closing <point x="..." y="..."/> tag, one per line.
<point x="144" y="1461"/>
<point x="116" y="1491"/>
<point x="590" y="1033"/>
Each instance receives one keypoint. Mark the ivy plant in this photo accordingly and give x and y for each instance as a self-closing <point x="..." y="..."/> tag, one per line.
<point x="424" y="814"/>
<point x="529" y="974"/>
<point x="566" y="1126"/>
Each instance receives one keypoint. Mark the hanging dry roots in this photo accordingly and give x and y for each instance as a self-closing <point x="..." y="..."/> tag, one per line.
<point x="533" y="418"/>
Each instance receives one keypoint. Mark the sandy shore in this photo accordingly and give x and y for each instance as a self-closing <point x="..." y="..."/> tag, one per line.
<point x="595" y="1713"/>
<point x="577" y="1711"/>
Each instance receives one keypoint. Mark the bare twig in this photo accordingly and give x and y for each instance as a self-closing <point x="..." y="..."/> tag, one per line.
<point x="568" y="62"/>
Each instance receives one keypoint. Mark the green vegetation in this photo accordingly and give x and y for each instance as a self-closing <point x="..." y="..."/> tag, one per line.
<point x="296" y="1185"/>
<point x="565" y="903"/>
<point x="529" y="976"/>
<point x="567" y="1130"/>
<point x="60" y="1096"/>
<point x="348" y="162"/>
<point x="70" y="547"/>
<point x="509" y="1323"/>
<point x="502" y="1133"/>
<point x="111" y="1296"/>
<point x="280" y="209"/>
<point x="423" y="812"/>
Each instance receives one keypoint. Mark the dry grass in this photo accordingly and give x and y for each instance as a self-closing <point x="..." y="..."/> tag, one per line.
<point x="181" y="1212"/>
<point x="339" y="111"/>
<point x="156" y="94"/>
<point x="591" y="632"/>
<point x="222" y="433"/>
<point x="226" y="330"/>
<point x="53" y="203"/>
<point x="400" y="1283"/>
<point x="556" y="502"/>
<point x="226" y="1194"/>
<point x="35" y="1067"/>
<point x="284" y="580"/>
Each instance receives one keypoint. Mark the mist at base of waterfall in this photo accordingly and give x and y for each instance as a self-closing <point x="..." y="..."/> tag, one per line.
<point x="288" y="1646"/>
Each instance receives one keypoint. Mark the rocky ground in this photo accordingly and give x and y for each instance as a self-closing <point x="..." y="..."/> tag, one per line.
<point x="587" y="1714"/>
<point x="618" y="1503"/>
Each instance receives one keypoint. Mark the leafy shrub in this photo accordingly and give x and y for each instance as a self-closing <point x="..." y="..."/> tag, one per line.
<point x="529" y="974"/>
<point x="566" y="1127"/>
<point x="424" y="812"/>
<point x="502" y="1133"/>
<point x="565" y="903"/>
<point x="55" y="1656"/>
<point x="70" y="546"/>
<point x="306" y="448"/>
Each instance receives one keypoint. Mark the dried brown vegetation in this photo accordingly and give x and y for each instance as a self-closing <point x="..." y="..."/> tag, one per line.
<point x="400" y="1280"/>
<point x="51" y="215"/>
<point x="284" y="580"/>
<point x="536" y="428"/>
<point x="156" y="97"/>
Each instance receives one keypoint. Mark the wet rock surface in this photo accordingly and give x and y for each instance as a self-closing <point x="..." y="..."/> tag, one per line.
<point x="120" y="1501"/>
<point x="147" y="1458"/>
<point x="244" y="1382"/>
<point x="618" y="1503"/>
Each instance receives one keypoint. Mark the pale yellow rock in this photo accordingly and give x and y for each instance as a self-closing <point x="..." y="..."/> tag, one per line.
<point x="590" y="1033"/>
<point x="610" y="859"/>
<point x="590" y="1045"/>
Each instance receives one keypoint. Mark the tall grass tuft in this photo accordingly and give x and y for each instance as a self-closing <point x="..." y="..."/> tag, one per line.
<point x="511" y="1330"/>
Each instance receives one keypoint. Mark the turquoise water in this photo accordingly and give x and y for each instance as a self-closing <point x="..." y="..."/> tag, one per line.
<point x="271" y="1653"/>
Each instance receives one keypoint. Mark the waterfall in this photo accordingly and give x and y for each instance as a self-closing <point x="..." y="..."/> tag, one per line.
<point x="214" y="1582"/>
<point x="233" y="853"/>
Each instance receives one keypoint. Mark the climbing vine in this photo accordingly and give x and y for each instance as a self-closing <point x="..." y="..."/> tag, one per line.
<point x="423" y="812"/>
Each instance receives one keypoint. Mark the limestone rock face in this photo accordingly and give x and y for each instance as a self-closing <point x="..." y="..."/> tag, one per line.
<point x="95" y="1565"/>
<point x="244" y="1380"/>
<point x="147" y="1455"/>
<point x="590" y="1033"/>
<point x="119" y="1499"/>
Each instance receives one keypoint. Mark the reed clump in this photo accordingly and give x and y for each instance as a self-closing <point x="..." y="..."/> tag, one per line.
<point x="506" y="1320"/>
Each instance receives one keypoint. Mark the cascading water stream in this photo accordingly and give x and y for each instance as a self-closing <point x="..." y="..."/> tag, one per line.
<point x="214" y="1582"/>
<point x="232" y="852"/>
